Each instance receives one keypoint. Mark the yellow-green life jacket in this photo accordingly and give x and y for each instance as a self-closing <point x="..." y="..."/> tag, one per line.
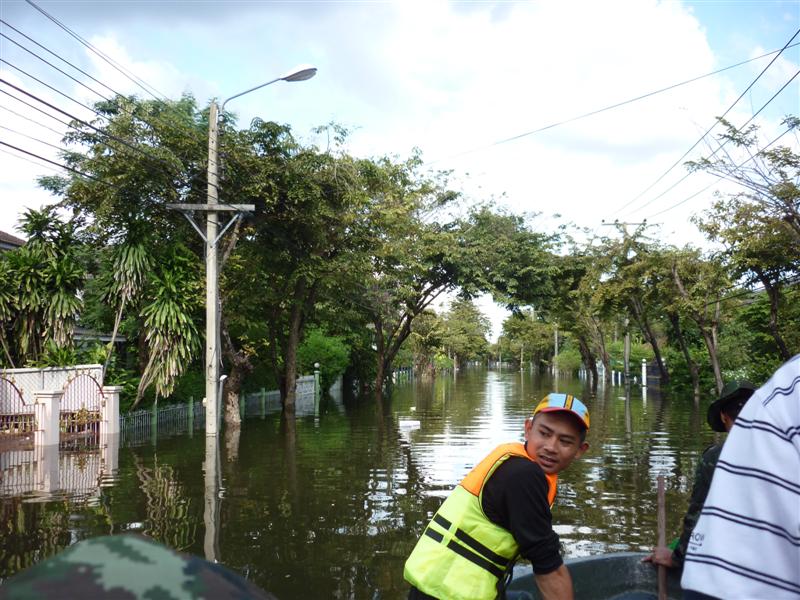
<point x="462" y="555"/>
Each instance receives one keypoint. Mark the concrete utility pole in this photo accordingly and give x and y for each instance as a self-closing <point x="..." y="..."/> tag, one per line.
<point x="627" y="351"/>
<point x="555" y="352"/>
<point x="212" y="237"/>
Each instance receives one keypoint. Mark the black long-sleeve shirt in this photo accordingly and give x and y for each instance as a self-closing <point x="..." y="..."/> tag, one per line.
<point x="515" y="498"/>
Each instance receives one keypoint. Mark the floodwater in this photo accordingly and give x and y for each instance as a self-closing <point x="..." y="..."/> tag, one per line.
<point x="329" y="505"/>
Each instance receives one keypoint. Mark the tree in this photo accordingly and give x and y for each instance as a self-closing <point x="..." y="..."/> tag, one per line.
<point x="700" y="284"/>
<point x="40" y="293"/>
<point x="465" y="331"/>
<point x="758" y="249"/>
<point x="770" y="176"/>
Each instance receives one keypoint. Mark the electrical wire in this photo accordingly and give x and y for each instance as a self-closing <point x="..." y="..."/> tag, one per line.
<point x="789" y="282"/>
<point x="61" y="58"/>
<point x="33" y="162"/>
<point x="85" y="123"/>
<point x="677" y="204"/>
<point x="720" y="147"/>
<point x="702" y="137"/>
<point x="57" y="91"/>
<point x="34" y="107"/>
<point x="612" y="106"/>
<point x="47" y="62"/>
<point x="30" y="137"/>
<point x="59" y="165"/>
<point x="34" y="121"/>
<point x="130" y="75"/>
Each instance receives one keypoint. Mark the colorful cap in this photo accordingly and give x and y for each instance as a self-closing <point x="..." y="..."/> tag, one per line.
<point x="553" y="402"/>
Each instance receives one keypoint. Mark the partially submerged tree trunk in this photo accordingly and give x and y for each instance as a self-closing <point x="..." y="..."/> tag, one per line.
<point x="240" y="367"/>
<point x="600" y="343"/>
<point x="707" y="327"/>
<point x="694" y="373"/>
<point x="644" y="324"/>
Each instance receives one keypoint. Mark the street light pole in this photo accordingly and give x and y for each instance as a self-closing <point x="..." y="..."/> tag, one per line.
<point x="212" y="237"/>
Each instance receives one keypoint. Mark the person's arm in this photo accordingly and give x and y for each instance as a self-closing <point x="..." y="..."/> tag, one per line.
<point x="555" y="585"/>
<point x="515" y="497"/>
<point x="702" y="483"/>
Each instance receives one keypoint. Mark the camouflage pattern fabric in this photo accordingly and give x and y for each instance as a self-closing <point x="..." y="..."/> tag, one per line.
<point x="702" y="483"/>
<point x="128" y="567"/>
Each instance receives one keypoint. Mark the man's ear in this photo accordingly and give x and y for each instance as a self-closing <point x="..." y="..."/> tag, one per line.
<point x="528" y="426"/>
<point x="583" y="448"/>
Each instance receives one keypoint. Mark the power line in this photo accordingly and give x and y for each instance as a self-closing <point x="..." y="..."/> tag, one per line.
<point x="59" y="165"/>
<point x="34" y="107"/>
<point x="677" y="204"/>
<point x="131" y="76"/>
<point x="57" y="91"/>
<point x="30" y="137"/>
<point x="78" y="81"/>
<point x="35" y="122"/>
<point x="85" y="123"/>
<point x="61" y="58"/>
<point x="789" y="282"/>
<point x="702" y="137"/>
<point x="613" y="106"/>
<point x="721" y="146"/>
<point x="33" y="162"/>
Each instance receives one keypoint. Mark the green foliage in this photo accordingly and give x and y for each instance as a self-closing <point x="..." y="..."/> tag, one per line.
<point x="568" y="360"/>
<point x="331" y="352"/>
<point x="40" y="292"/>
<point x="616" y="351"/>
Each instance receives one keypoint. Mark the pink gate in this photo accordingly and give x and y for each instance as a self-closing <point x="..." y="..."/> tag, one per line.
<point x="81" y="404"/>
<point x="16" y="417"/>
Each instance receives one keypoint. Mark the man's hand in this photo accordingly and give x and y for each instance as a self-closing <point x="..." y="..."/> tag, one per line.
<point x="660" y="556"/>
<point x="556" y="585"/>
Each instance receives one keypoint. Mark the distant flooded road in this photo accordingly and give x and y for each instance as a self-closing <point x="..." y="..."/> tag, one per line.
<point x="329" y="505"/>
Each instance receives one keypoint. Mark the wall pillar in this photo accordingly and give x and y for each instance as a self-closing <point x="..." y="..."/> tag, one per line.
<point x="47" y="407"/>
<point x="109" y="419"/>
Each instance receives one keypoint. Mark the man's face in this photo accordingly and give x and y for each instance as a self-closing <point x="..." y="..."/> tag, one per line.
<point x="554" y="440"/>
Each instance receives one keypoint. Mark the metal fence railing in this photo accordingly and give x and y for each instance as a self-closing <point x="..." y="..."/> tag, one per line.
<point x="144" y="426"/>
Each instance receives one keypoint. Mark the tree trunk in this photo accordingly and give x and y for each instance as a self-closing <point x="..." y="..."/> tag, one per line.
<point x="240" y="367"/>
<point x="381" y="359"/>
<point x="288" y="392"/>
<point x="708" y="337"/>
<point x="690" y="364"/>
<point x="773" y="293"/>
<point x="709" y="333"/>
<point x="600" y="342"/>
<point x="647" y="331"/>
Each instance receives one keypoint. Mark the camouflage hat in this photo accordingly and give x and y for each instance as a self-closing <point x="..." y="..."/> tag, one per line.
<point x="127" y="567"/>
<point x="733" y="390"/>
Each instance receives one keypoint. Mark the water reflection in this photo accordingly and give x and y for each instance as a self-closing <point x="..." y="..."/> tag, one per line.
<point x="329" y="503"/>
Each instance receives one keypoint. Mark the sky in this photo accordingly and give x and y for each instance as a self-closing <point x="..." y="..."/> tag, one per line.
<point x="457" y="80"/>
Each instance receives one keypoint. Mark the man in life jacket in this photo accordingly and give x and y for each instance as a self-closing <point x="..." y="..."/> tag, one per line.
<point x="501" y="510"/>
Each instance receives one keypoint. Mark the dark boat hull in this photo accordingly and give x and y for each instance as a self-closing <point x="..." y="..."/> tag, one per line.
<point x="618" y="576"/>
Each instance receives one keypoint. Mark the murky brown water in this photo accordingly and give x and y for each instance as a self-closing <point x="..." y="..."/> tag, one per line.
<point x="329" y="506"/>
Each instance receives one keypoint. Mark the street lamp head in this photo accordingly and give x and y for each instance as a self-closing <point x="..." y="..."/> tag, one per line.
<point x="300" y="73"/>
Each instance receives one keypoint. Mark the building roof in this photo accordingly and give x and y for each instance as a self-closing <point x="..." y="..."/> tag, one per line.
<point x="9" y="242"/>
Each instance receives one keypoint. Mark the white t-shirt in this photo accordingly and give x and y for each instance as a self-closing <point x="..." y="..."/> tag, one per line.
<point x="747" y="541"/>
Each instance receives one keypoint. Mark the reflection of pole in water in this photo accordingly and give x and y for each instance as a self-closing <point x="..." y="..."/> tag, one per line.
<point x="211" y="508"/>
<point x="628" y="426"/>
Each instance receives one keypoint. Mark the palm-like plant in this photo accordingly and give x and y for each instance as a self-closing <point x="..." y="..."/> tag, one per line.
<point x="171" y="334"/>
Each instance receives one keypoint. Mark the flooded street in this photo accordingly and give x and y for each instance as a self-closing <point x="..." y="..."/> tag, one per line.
<point x="329" y="505"/>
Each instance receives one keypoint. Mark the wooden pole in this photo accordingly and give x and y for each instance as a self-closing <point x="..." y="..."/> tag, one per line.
<point x="662" y="541"/>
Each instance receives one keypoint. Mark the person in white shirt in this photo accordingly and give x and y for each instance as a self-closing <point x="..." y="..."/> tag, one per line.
<point x="747" y="541"/>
